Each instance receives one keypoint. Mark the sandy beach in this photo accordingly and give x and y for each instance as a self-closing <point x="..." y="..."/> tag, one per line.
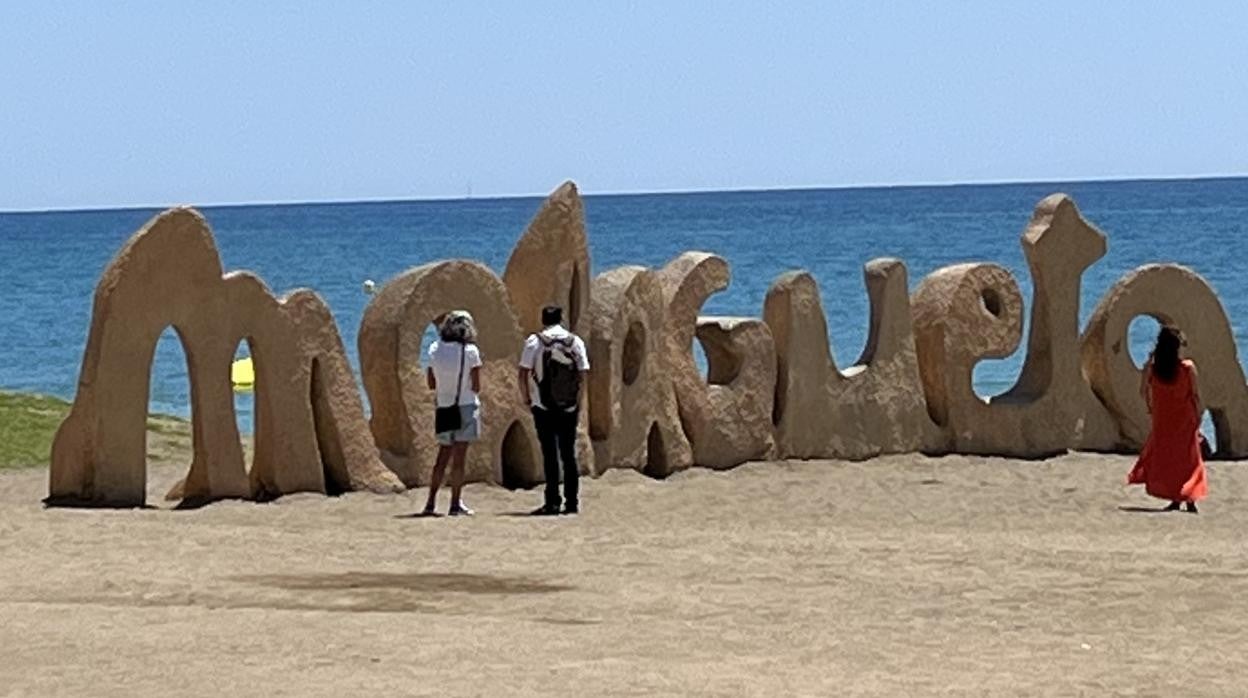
<point x="899" y="576"/>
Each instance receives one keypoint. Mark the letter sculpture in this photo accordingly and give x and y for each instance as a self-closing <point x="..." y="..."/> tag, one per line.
<point x="633" y="417"/>
<point x="772" y="388"/>
<point x="877" y="405"/>
<point x="969" y="312"/>
<point x="726" y="416"/>
<point x="550" y="265"/>
<point x="393" y="370"/>
<point x="310" y="433"/>
<point x="1177" y="296"/>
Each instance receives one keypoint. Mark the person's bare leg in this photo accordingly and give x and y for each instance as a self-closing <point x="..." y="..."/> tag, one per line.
<point x="459" y="454"/>
<point x="435" y="480"/>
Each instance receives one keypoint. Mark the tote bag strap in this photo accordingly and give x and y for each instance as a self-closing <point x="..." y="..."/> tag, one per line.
<point x="459" y="385"/>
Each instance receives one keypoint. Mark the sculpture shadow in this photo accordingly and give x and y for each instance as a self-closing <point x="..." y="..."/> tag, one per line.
<point x="349" y="592"/>
<point x="72" y="502"/>
<point x="196" y="503"/>
<point x="405" y="581"/>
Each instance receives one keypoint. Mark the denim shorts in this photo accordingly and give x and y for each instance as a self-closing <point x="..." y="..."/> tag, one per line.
<point x="469" y="427"/>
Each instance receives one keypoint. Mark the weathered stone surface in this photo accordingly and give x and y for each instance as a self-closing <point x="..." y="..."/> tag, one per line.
<point x="874" y="407"/>
<point x="963" y="314"/>
<point x="740" y="389"/>
<point x="633" y="418"/>
<point x="1178" y="296"/>
<point x="726" y="415"/>
<point x="309" y="430"/>
<point x="550" y="266"/>
<point x="550" y="263"/>
<point x="773" y="388"/>
<point x="971" y="312"/>
<point x="346" y="444"/>
<point x="393" y="370"/>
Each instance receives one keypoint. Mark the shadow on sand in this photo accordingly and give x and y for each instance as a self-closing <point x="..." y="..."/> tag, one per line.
<point x="405" y="581"/>
<point x="1147" y="510"/>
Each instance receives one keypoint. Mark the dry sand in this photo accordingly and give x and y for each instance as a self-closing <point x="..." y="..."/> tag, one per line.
<point x="900" y="576"/>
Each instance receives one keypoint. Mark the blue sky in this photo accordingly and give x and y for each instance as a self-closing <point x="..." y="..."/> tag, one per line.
<point x="126" y="103"/>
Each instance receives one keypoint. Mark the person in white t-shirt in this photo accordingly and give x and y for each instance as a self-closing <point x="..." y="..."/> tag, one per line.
<point x="552" y="370"/>
<point x="454" y="373"/>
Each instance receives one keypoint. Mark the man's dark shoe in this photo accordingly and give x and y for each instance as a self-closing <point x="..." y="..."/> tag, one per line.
<point x="545" y="510"/>
<point x="572" y="510"/>
<point x="1191" y="508"/>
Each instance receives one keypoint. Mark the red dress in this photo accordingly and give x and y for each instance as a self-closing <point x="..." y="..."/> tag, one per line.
<point x="1170" y="466"/>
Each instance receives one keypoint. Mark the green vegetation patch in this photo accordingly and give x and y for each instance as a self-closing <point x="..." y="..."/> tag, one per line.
<point x="28" y="424"/>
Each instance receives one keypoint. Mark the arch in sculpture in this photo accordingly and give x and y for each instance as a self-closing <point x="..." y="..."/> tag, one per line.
<point x="630" y="390"/>
<point x="169" y="274"/>
<point x="520" y="466"/>
<point x="1173" y="295"/>
<point x="392" y="367"/>
<point x="874" y="407"/>
<point x="726" y="415"/>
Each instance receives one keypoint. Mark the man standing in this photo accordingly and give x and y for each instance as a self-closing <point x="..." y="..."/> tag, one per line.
<point x="552" y="368"/>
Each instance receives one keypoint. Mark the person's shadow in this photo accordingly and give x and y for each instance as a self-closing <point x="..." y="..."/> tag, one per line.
<point x="419" y="515"/>
<point x="1145" y="510"/>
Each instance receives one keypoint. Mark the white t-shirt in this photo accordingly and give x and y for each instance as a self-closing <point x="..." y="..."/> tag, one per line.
<point x="444" y="362"/>
<point x="530" y="358"/>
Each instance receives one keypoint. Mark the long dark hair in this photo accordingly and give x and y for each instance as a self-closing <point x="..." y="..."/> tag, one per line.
<point x="1166" y="353"/>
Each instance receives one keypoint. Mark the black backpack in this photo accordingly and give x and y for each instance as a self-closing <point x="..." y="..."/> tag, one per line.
<point x="560" y="387"/>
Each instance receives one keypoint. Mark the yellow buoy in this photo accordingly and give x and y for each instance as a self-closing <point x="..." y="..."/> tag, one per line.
<point x="243" y="374"/>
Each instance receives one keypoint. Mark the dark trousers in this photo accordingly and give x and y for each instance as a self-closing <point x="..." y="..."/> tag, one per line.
<point x="556" y="431"/>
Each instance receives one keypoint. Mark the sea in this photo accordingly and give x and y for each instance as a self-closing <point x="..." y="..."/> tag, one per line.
<point x="50" y="262"/>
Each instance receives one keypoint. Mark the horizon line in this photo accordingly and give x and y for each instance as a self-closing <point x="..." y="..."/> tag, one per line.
<point x="655" y="192"/>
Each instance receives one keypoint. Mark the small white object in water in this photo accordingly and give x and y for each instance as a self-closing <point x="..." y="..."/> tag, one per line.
<point x="369" y="286"/>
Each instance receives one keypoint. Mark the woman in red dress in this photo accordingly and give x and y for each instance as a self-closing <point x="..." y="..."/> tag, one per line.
<point x="1171" y="466"/>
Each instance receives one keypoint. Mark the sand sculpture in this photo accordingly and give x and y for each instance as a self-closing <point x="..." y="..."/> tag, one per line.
<point x="726" y="416"/>
<point x="393" y="370"/>
<point x="1175" y="295"/>
<point x="773" y="388"/>
<point x="550" y="265"/>
<point x="969" y="312"/>
<point x="310" y="433"/>
<point x="877" y="405"/>
<point x="633" y="418"/>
